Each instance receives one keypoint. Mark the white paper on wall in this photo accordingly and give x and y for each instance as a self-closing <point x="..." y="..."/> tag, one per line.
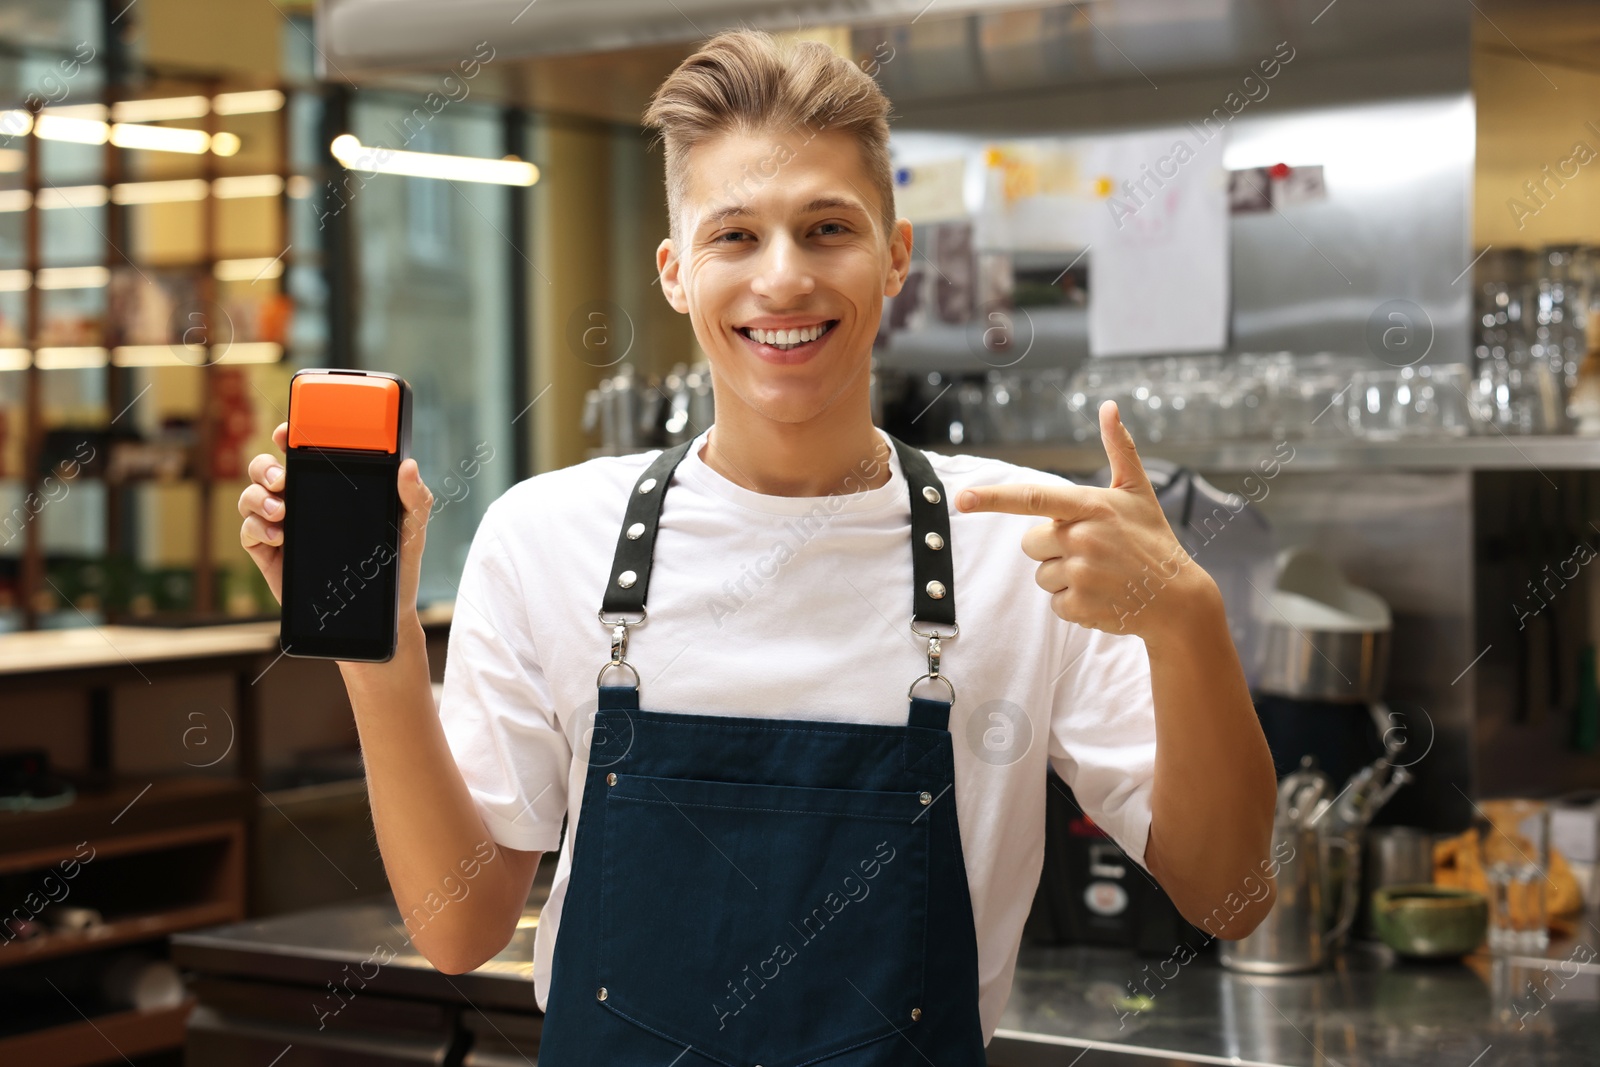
<point x="931" y="192"/>
<point x="1158" y="264"/>
<point x="1035" y="197"/>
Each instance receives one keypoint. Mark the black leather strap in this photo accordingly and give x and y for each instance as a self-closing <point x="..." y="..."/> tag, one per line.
<point x="933" y="581"/>
<point x="933" y="598"/>
<point x="630" y="565"/>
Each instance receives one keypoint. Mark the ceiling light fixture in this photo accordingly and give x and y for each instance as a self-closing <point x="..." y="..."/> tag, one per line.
<point x="160" y="138"/>
<point x="354" y="155"/>
<point x="72" y="277"/>
<point x="247" y="270"/>
<point x="61" y="196"/>
<point x="250" y="102"/>
<point x="159" y="192"/>
<point x="238" y="186"/>
<point x="69" y="358"/>
<point x="161" y="109"/>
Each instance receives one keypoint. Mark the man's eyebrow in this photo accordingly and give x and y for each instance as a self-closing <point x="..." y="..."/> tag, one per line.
<point x="822" y="203"/>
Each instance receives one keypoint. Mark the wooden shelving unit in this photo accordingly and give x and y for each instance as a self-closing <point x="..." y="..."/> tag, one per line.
<point x="120" y="257"/>
<point x="113" y="841"/>
<point x="222" y="888"/>
<point x="102" y="1039"/>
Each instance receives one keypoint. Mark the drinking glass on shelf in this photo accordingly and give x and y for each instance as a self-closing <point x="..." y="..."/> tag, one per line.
<point x="1514" y="840"/>
<point x="1242" y="399"/>
<point x="973" y="422"/>
<point x="1444" y="399"/>
<point x="1045" y="413"/>
<point x="1377" y="403"/>
<point x="1556" y="320"/>
<point x="1316" y="403"/>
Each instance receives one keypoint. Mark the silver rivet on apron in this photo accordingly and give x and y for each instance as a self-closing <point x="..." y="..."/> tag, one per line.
<point x="926" y="798"/>
<point x="636" y="531"/>
<point x="916" y="1013"/>
<point x="626" y="579"/>
<point x="930" y="494"/>
<point x="647" y="485"/>
<point x="602" y="994"/>
<point x="933" y="541"/>
<point x="935" y="589"/>
<point x="611" y="779"/>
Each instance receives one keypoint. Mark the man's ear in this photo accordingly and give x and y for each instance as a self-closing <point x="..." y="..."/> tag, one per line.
<point x="899" y="257"/>
<point x="668" y="264"/>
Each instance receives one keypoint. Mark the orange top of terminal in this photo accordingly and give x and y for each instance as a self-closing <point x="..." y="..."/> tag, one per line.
<point x="344" y="411"/>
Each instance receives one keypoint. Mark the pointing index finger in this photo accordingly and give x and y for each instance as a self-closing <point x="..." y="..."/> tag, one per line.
<point x="1068" y="502"/>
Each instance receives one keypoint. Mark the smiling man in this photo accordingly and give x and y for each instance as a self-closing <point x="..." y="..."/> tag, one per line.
<point x="796" y="822"/>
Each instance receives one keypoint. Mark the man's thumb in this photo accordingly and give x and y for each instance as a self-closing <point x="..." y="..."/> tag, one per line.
<point x="1127" y="470"/>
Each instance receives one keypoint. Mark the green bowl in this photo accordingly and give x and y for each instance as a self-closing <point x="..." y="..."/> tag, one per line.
<point x="1430" y="921"/>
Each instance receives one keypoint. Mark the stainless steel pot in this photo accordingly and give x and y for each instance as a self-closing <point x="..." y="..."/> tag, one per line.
<point x="1339" y="666"/>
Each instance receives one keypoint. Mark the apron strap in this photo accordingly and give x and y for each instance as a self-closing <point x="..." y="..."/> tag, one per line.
<point x="929" y="714"/>
<point x="933" y="582"/>
<point x="933" y="594"/>
<point x="636" y="544"/>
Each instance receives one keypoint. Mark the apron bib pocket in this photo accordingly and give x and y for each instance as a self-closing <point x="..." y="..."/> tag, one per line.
<point x="734" y="916"/>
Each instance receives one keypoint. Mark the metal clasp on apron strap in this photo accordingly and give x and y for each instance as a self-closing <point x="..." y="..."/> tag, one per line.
<point x="934" y="651"/>
<point x="619" y="644"/>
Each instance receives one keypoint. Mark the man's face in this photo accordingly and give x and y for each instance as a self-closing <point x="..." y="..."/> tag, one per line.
<point x="784" y="268"/>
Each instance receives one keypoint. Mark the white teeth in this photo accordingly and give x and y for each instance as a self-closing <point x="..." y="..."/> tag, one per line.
<point x="784" y="339"/>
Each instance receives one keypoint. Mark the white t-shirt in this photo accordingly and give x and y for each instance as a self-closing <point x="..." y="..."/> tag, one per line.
<point x="792" y="607"/>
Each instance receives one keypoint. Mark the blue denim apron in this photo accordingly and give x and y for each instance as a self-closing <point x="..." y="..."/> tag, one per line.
<point x="765" y="892"/>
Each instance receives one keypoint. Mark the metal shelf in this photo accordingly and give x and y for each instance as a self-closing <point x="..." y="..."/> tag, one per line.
<point x="1422" y="454"/>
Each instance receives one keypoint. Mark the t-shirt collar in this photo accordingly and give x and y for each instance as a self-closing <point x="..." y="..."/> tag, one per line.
<point x="852" y="497"/>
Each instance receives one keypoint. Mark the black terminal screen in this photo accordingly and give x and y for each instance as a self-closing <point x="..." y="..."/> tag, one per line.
<point x="341" y="554"/>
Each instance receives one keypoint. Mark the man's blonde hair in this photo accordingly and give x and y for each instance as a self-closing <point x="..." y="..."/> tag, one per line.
<point x="746" y="81"/>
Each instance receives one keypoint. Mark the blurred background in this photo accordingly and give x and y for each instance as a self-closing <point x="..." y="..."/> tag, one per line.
<point x="1339" y="264"/>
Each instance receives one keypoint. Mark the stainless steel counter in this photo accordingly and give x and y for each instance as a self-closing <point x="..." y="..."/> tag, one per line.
<point x="1069" y="1006"/>
<point x="323" y="945"/>
<point x="1371" y="1009"/>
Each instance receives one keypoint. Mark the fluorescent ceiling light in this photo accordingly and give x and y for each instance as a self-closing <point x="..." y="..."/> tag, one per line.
<point x="225" y="143"/>
<point x="160" y="138"/>
<point x="247" y="103"/>
<point x="159" y="356"/>
<point x="95" y="112"/>
<point x="299" y="186"/>
<point x="160" y="109"/>
<point x="72" y="196"/>
<point x="14" y="281"/>
<point x="69" y="358"/>
<point x="242" y="185"/>
<point x="12" y="161"/>
<point x="15" y="358"/>
<point x="15" y="123"/>
<point x="356" y="156"/>
<point x="15" y="199"/>
<point x="54" y="127"/>
<point x="246" y="270"/>
<point x="195" y="355"/>
<point x="251" y="352"/>
<point x="159" y="192"/>
<point x="72" y="277"/>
